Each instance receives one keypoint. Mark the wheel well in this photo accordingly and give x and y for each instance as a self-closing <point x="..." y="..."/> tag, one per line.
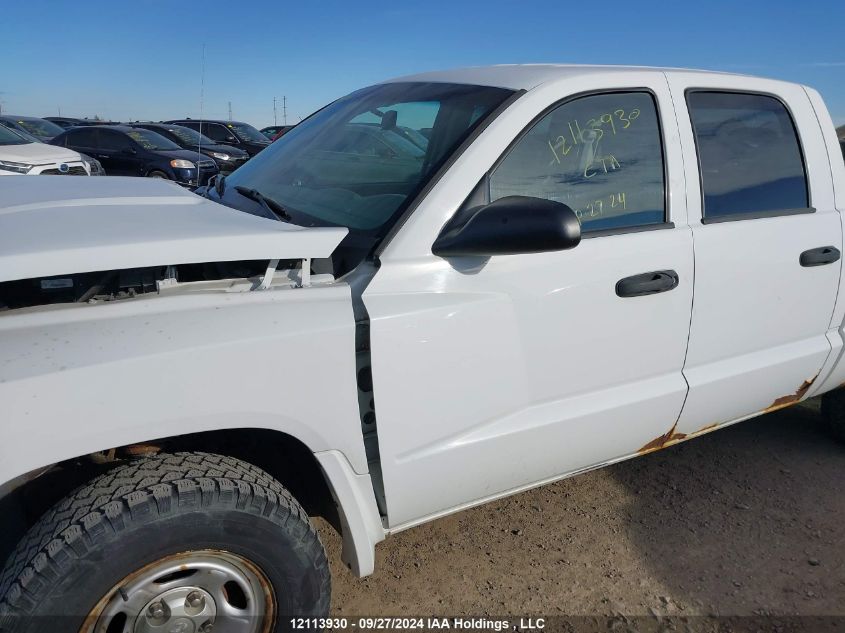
<point x="282" y="456"/>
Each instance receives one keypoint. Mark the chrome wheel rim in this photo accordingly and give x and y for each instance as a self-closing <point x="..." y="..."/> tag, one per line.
<point x="194" y="592"/>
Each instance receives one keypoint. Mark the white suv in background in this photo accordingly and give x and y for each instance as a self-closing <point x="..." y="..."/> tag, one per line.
<point x="21" y="154"/>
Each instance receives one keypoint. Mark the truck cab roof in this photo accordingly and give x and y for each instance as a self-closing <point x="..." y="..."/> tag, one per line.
<point x="528" y="76"/>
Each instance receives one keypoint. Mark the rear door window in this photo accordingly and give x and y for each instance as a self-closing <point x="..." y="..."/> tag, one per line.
<point x="82" y="137"/>
<point x="749" y="155"/>
<point x="115" y="141"/>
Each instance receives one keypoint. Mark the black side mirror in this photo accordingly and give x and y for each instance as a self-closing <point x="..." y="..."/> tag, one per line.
<point x="388" y="121"/>
<point x="509" y="226"/>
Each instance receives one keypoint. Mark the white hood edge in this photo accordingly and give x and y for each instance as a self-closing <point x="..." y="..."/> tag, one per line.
<point x="59" y="226"/>
<point x="38" y="154"/>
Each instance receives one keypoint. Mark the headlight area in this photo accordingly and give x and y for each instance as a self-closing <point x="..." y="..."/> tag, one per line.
<point x="93" y="166"/>
<point x="220" y="156"/>
<point x="16" y="168"/>
<point x="191" y="174"/>
<point x="179" y="163"/>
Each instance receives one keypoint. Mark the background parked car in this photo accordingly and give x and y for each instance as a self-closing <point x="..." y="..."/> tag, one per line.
<point x="23" y="154"/>
<point x="67" y="122"/>
<point x="64" y="122"/>
<point x="275" y="131"/>
<point x="235" y="133"/>
<point x="41" y="129"/>
<point x="228" y="158"/>
<point x="128" y="151"/>
<point x="92" y="164"/>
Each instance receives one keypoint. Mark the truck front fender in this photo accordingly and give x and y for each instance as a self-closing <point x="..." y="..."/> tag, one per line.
<point x="361" y="524"/>
<point x="79" y="379"/>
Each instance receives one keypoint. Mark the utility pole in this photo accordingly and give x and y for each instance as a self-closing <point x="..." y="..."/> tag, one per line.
<point x="285" y="110"/>
<point x="230" y="110"/>
<point x="275" y="122"/>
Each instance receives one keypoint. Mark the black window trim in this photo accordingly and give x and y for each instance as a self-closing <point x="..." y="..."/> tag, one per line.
<point x="624" y="230"/>
<point x="751" y="215"/>
<point x="757" y="215"/>
<point x="667" y="223"/>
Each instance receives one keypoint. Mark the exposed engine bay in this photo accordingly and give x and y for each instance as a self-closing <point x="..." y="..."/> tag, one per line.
<point x="117" y="285"/>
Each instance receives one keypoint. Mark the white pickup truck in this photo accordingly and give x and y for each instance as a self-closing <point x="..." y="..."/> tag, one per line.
<point x="434" y="292"/>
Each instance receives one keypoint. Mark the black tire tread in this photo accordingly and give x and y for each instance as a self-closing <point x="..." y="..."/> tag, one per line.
<point x="141" y="491"/>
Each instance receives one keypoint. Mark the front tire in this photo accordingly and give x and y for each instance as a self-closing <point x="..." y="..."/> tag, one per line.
<point x="189" y="537"/>
<point x="158" y="174"/>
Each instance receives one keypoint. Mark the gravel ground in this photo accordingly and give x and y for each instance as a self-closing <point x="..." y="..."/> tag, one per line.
<point x="749" y="520"/>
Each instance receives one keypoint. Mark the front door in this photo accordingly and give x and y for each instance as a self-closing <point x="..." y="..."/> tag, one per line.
<point x="495" y="375"/>
<point x="118" y="154"/>
<point x="767" y="240"/>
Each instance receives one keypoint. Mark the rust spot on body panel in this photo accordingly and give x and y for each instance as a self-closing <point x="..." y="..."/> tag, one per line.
<point x="792" y="398"/>
<point x="705" y="429"/>
<point x="667" y="439"/>
<point x="673" y="437"/>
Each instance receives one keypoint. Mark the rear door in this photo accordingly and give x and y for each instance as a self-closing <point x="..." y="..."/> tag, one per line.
<point x="766" y="238"/>
<point x="120" y="153"/>
<point x="84" y="139"/>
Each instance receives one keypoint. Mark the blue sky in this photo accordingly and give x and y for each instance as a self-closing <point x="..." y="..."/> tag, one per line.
<point x="143" y="59"/>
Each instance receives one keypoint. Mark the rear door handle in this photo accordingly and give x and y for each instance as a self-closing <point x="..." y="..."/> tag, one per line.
<point x="819" y="256"/>
<point x="647" y="283"/>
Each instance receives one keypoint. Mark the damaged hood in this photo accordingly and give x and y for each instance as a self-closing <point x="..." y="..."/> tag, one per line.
<point x="54" y="225"/>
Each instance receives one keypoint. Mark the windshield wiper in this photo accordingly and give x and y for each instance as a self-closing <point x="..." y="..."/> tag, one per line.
<point x="271" y="205"/>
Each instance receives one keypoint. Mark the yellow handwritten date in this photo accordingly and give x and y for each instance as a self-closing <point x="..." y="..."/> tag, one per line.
<point x="597" y="208"/>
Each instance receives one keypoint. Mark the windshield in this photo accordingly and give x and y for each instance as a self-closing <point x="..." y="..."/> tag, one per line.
<point x="189" y="136"/>
<point x="8" y="137"/>
<point x="151" y="140"/>
<point x="248" y="133"/>
<point x="359" y="161"/>
<point x="40" y="127"/>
